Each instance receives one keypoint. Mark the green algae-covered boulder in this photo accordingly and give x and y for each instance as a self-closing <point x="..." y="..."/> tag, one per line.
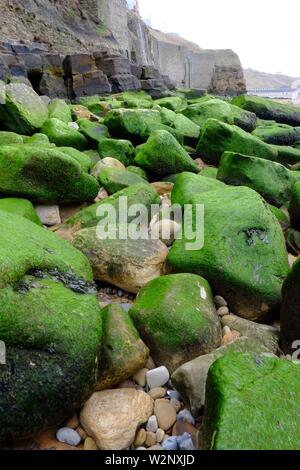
<point x="131" y="124"/>
<point x="282" y="216"/>
<point x="83" y="159"/>
<point x="93" y="131"/>
<point x="7" y="138"/>
<point x="39" y="139"/>
<point x="287" y="155"/>
<point x="163" y="155"/>
<point x="138" y="194"/>
<point x="60" y="110"/>
<point x="21" y="207"/>
<point x="187" y="128"/>
<point x="217" y="137"/>
<point x="137" y="103"/>
<point x="243" y="257"/>
<point x="122" y="150"/>
<point x="252" y="403"/>
<point x="190" y="378"/>
<point x="270" y="179"/>
<point x="51" y="324"/>
<point x="21" y="109"/>
<point x="137" y="171"/>
<point x="294" y="208"/>
<point x="60" y="134"/>
<point x="113" y="179"/>
<point x="290" y="311"/>
<point x="209" y="172"/>
<point x="268" y="109"/>
<point x="189" y="184"/>
<point x="278" y="134"/>
<point x="123" y="352"/>
<point x="176" y="318"/>
<point x="44" y="175"/>
<point x="174" y="103"/>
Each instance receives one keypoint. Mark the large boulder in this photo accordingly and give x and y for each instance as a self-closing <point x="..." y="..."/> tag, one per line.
<point x="62" y="135"/>
<point x="251" y="404"/>
<point x="51" y="325"/>
<point x="44" y="175"/>
<point x="83" y="159"/>
<point x="243" y="256"/>
<point x="93" y="131"/>
<point x="188" y="184"/>
<point x="163" y="155"/>
<point x="290" y="310"/>
<point x="60" y="110"/>
<point x="294" y="208"/>
<point x="278" y="134"/>
<point x="270" y="179"/>
<point x="126" y="263"/>
<point x="113" y="179"/>
<point x="190" y="378"/>
<point x="217" y="137"/>
<point x="123" y="352"/>
<point x="21" y="207"/>
<point x="21" y="109"/>
<point x="176" y="318"/>
<point x="7" y="138"/>
<point x="268" y="109"/>
<point x="122" y="150"/>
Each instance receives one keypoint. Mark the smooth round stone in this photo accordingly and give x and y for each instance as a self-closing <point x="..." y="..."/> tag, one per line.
<point x="90" y="444"/>
<point x="156" y="393"/>
<point x="140" y="438"/>
<point x="187" y="444"/>
<point x="72" y="422"/>
<point x="165" y="414"/>
<point x="220" y="301"/>
<point x="152" y="424"/>
<point x="222" y="311"/>
<point x="150" y="439"/>
<point x="183" y="437"/>
<point x="170" y="443"/>
<point x="68" y="436"/>
<point x="141" y="448"/>
<point x="176" y="404"/>
<point x="140" y="377"/>
<point x="160" y="435"/>
<point x="157" y="377"/>
<point x="174" y="394"/>
<point x="186" y="415"/>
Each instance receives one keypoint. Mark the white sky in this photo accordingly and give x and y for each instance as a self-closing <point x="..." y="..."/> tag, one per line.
<point x="265" y="33"/>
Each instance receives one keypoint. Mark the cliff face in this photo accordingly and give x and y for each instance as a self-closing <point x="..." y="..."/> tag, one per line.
<point x="89" y="26"/>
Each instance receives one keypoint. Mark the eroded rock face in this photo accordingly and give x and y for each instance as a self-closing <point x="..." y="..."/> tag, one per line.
<point x="112" y="417"/>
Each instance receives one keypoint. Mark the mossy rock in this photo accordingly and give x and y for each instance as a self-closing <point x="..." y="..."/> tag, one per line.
<point x="269" y="109"/>
<point x="60" y="110"/>
<point x="259" y="393"/>
<point x="243" y="254"/>
<point x="287" y="155"/>
<point x="123" y="351"/>
<point x="44" y="175"/>
<point x="289" y="315"/>
<point x="113" y="179"/>
<point x="137" y="103"/>
<point x="51" y="325"/>
<point x="163" y="155"/>
<point x="60" y="134"/>
<point x="188" y="184"/>
<point x="21" y="207"/>
<point x="294" y="208"/>
<point x="39" y="139"/>
<point x="21" y="109"/>
<point x="270" y="179"/>
<point x="93" y="131"/>
<point x="209" y="172"/>
<point x="282" y="217"/>
<point x="93" y="104"/>
<point x="187" y="128"/>
<point x="7" y="138"/>
<point x="137" y="171"/>
<point x="83" y="159"/>
<point x="217" y="137"/>
<point x="122" y="150"/>
<point x="176" y="318"/>
<point x="277" y="134"/>
<point x="174" y="103"/>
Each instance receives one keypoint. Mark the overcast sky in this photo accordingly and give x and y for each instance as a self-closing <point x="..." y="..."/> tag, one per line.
<point x="265" y="33"/>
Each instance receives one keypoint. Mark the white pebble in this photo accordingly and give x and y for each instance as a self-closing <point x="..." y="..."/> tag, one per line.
<point x="152" y="425"/>
<point x="48" y="215"/>
<point x="68" y="436"/>
<point x="186" y="415"/>
<point x="220" y="301"/>
<point x="157" y="377"/>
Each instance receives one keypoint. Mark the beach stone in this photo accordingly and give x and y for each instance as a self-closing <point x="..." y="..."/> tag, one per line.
<point x="187" y="444"/>
<point x="165" y="230"/>
<point x="150" y="439"/>
<point x="186" y="415"/>
<point x="220" y="301"/>
<point x="73" y="422"/>
<point x="157" y="392"/>
<point x="141" y="448"/>
<point x="140" y="438"/>
<point x="181" y="427"/>
<point x="223" y="311"/>
<point x="157" y="377"/>
<point x="230" y="337"/>
<point x="160" y="435"/>
<point x="170" y="443"/>
<point x="82" y="433"/>
<point x="174" y="394"/>
<point x="176" y="404"/>
<point x="48" y="215"/>
<point x="152" y="425"/>
<point x="68" y="436"/>
<point x="111" y="417"/>
<point x="165" y="414"/>
<point x="140" y="377"/>
<point x="90" y="444"/>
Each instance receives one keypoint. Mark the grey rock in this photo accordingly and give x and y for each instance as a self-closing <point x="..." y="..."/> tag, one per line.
<point x="186" y="415"/>
<point x="157" y="377"/>
<point x="170" y="443"/>
<point x="68" y="436"/>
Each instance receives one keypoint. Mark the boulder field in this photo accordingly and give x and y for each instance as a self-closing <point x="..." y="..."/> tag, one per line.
<point x="149" y="272"/>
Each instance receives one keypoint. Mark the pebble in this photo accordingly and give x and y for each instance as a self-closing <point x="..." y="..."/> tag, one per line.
<point x="152" y="424"/>
<point x="68" y="436"/>
<point x="150" y="439"/>
<point x="73" y="422"/>
<point x="170" y="443"/>
<point x="186" y="415"/>
<point x="141" y="448"/>
<point x="157" y="377"/>
<point x="220" y="301"/>
<point x="183" y="437"/>
<point x="120" y="293"/>
<point x="232" y="336"/>
<point x="150" y="363"/>
<point x="174" y="394"/>
<point x="222" y="311"/>
<point x="160" y="435"/>
<point x="140" y="377"/>
<point x="176" y="404"/>
<point x="226" y="330"/>
<point x="48" y="215"/>
<point x="187" y="444"/>
<point x="165" y="414"/>
<point x="82" y="433"/>
<point x="156" y="393"/>
<point x="90" y="444"/>
<point x="140" y="438"/>
<point x="181" y="427"/>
